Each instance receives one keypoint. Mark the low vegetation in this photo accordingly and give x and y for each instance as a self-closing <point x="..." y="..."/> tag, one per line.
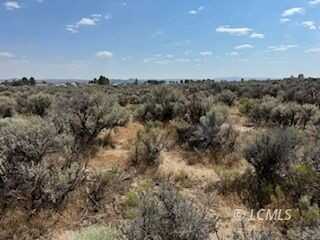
<point x="88" y="159"/>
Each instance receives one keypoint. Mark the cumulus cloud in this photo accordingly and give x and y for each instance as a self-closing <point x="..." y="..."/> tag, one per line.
<point x="6" y="55"/>
<point x="11" y="5"/>
<point x="104" y="55"/>
<point x="293" y="11"/>
<point x="84" y="22"/>
<point x="282" y="48"/>
<point x="257" y="35"/>
<point x="87" y="22"/>
<point x="206" y="53"/>
<point x="242" y="31"/>
<point x="243" y="46"/>
<point x="314" y="2"/>
<point x="196" y="11"/>
<point x="310" y="25"/>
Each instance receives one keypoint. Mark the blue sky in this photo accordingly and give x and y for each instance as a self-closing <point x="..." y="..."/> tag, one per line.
<point x="159" y="38"/>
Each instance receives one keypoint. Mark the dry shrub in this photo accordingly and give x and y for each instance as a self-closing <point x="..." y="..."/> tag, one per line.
<point x="270" y="155"/>
<point x="28" y="178"/>
<point x="38" y="104"/>
<point x="163" y="104"/>
<point x="165" y="214"/>
<point x="148" y="146"/>
<point x="212" y="134"/>
<point x="86" y="115"/>
<point x="7" y="107"/>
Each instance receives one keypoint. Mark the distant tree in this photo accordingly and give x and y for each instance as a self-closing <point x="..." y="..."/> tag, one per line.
<point x="32" y="81"/>
<point x="301" y="76"/>
<point x="24" y="80"/>
<point x="103" y="80"/>
<point x="21" y="82"/>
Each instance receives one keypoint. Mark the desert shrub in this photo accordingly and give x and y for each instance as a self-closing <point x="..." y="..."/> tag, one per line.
<point x="27" y="177"/>
<point x="271" y="111"/>
<point x="26" y="140"/>
<point x="253" y="236"/>
<point x="7" y="107"/>
<point x="38" y="104"/>
<point x="148" y="146"/>
<point x="196" y="108"/>
<point x="270" y="156"/>
<point x="163" y="104"/>
<point x="285" y="114"/>
<point x="211" y="133"/>
<point x="304" y="232"/>
<point x="86" y="115"/>
<point x="245" y="105"/>
<point x="96" y="232"/>
<point x="307" y="113"/>
<point x="304" y="180"/>
<point x="96" y="190"/>
<point x="22" y="103"/>
<point x="261" y="110"/>
<point x="165" y="214"/>
<point x="244" y="234"/>
<point x="227" y="97"/>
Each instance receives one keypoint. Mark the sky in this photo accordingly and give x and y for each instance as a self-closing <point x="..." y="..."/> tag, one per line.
<point x="159" y="39"/>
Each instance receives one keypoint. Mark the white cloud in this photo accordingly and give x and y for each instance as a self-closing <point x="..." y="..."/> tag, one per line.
<point x="87" y="22"/>
<point x="104" y="55"/>
<point x="234" y="31"/>
<point x="6" y="55"/>
<point x="314" y="2"/>
<point x="193" y="12"/>
<point x="12" y="5"/>
<point x="84" y="22"/>
<point x="285" y="20"/>
<point x="282" y="48"/>
<point x="313" y="50"/>
<point x="206" y="53"/>
<point x="257" y="35"/>
<point x="243" y="46"/>
<point x="293" y="11"/>
<point x="196" y="11"/>
<point x="309" y="24"/>
<point x="72" y="28"/>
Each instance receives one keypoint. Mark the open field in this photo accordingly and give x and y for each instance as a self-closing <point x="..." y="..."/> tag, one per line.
<point x="167" y="162"/>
